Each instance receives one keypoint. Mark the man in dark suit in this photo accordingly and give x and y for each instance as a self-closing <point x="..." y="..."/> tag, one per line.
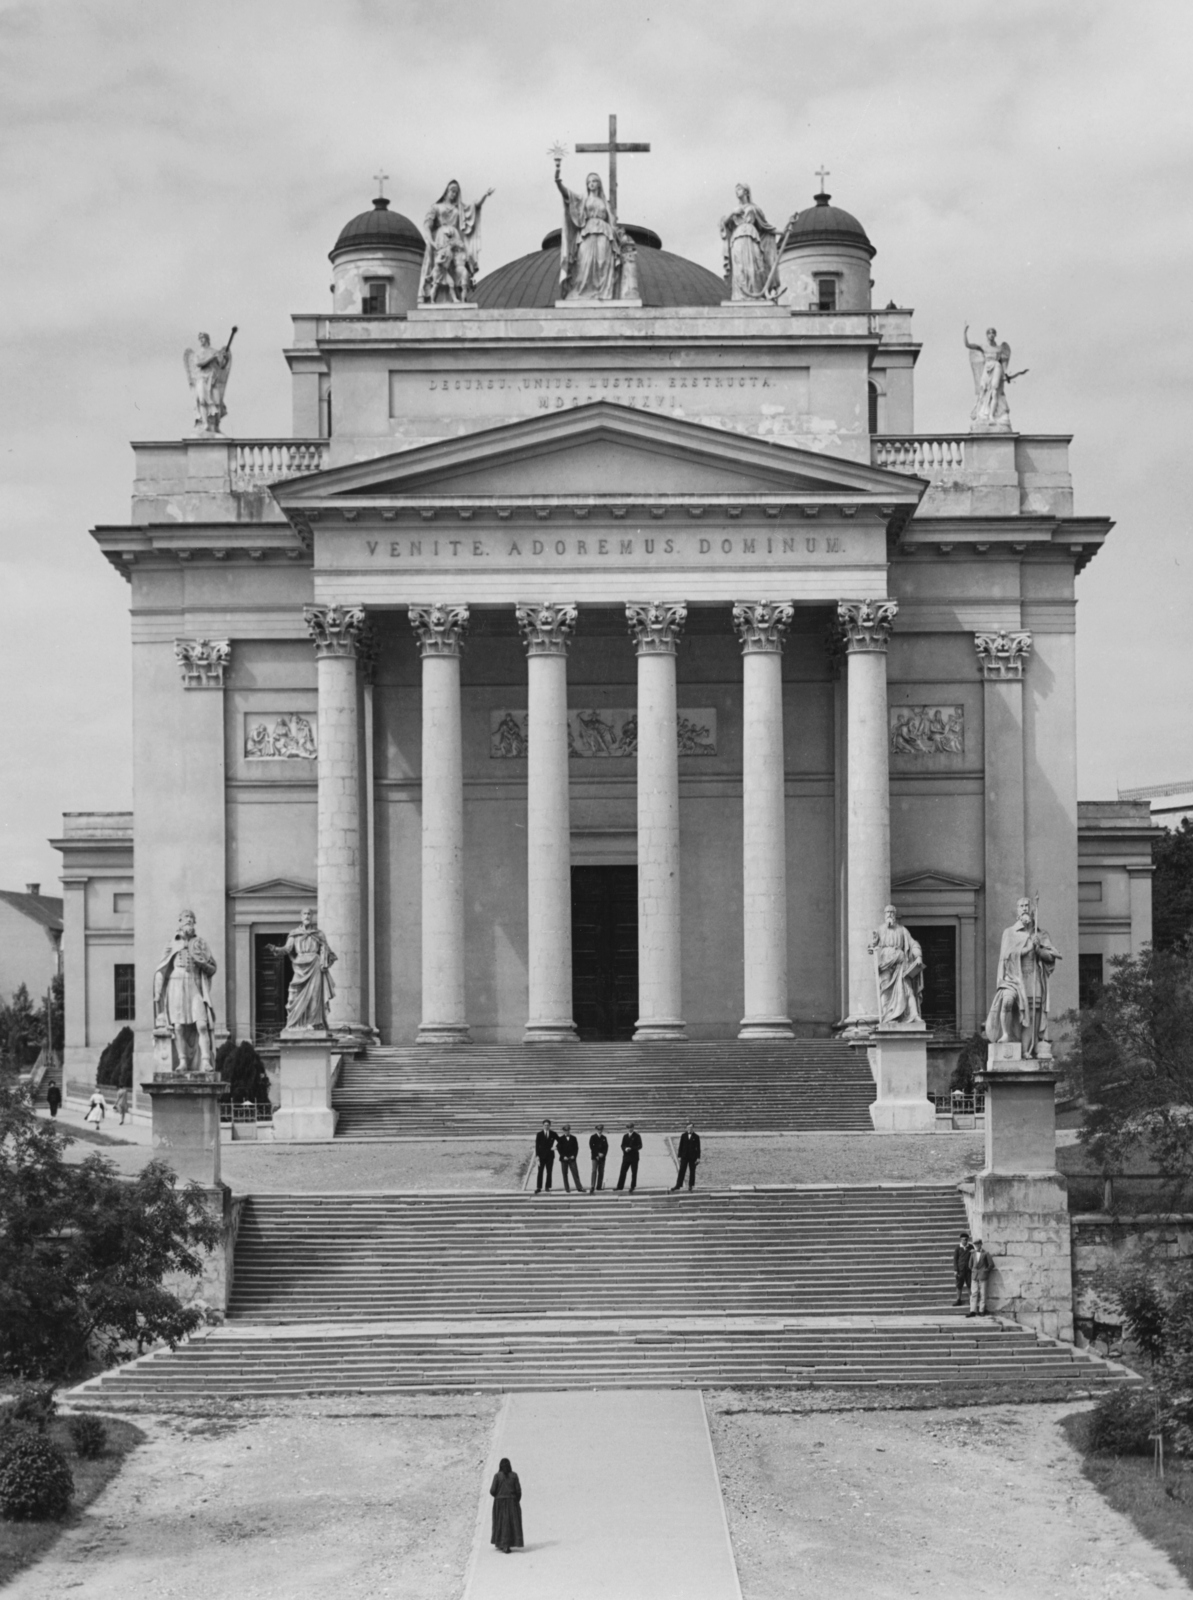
<point x="689" y="1155"/>
<point x="961" y="1268"/>
<point x="631" y="1149"/>
<point x="544" y="1150"/>
<point x="568" y="1147"/>
<point x="598" y="1149"/>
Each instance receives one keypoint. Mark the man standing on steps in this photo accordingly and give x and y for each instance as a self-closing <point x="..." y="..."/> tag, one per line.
<point x="631" y="1149"/>
<point x="544" y="1150"/>
<point x="689" y="1156"/>
<point x="569" y="1148"/>
<point x="961" y="1252"/>
<point x="981" y="1265"/>
<point x="598" y="1149"/>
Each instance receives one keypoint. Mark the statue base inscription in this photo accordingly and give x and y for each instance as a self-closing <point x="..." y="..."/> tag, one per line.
<point x="899" y="1061"/>
<point x="305" y="1079"/>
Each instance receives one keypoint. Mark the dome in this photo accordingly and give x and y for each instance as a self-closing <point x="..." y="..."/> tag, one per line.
<point x="379" y="229"/>
<point x="824" y="226"/>
<point x="532" y="282"/>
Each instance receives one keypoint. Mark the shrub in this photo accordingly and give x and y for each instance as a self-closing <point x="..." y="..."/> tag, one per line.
<point x="971" y="1059"/>
<point x="89" y="1437"/>
<point x="116" y="1061"/>
<point x="35" y="1481"/>
<point x="34" y="1403"/>
<point x="1121" y="1422"/>
<point x="241" y="1067"/>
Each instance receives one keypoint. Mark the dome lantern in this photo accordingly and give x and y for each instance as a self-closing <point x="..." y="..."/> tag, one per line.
<point x="376" y="263"/>
<point x="825" y="265"/>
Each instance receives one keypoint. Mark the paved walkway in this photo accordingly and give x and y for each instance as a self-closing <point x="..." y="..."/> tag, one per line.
<point x="656" y="1166"/>
<point x="620" y="1498"/>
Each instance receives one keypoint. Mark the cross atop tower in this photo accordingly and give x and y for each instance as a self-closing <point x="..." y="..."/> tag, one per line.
<point x="380" y="179"/>
<point x="823" y="173"/>
<point x="612" y="147"/>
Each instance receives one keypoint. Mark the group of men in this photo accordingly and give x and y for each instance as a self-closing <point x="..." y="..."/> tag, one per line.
<point x="972" y="1266"/>
<point x="548" y="1144"/>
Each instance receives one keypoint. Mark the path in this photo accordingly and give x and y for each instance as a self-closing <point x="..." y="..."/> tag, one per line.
<point x="620" y="1498"/>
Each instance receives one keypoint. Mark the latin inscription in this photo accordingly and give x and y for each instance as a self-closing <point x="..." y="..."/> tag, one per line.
<point x="710" y="548"/>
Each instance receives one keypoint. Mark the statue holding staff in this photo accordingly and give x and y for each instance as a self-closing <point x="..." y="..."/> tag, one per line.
<point x="1026" y="959"/>
<point x="309" y="997"/>
<point x="207" y="373"/>
<point x="182" y="1002"/>
<point x="989" y="362"/>
<point x="592" y="243"/>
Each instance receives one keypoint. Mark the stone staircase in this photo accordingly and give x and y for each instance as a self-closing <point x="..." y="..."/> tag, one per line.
<point x="801" y="1086"/>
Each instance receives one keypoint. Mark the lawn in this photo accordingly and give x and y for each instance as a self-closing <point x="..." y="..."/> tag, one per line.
<point x="1161" y="1509"/>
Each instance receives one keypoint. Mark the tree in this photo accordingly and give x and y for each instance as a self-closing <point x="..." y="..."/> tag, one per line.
<point x="1172" y="886"/>
<point x="241" y="1067"/>
<point x="57" y="1016"/>
<point x="1155" y="1296"/>
<point x="21" y="1034"/>
<point x="84" y="1251"/>
<point x="116" y="1061"/>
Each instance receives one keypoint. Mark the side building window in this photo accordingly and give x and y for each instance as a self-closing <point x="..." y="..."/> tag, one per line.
<point x="125" y="999"/>
<point x="1089" y="979"/>
<point x="872" y="401"/>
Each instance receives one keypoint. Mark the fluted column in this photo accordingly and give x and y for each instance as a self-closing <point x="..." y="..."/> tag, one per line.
<point x="1001" y="660"/>
<point x="656" y="627"/>
<point x="339" y="861"/>
<point x="866" y="625"/>
<point x="761" y="627"/>
<point x="440" y="630"/>
<point x="547" y="631"/>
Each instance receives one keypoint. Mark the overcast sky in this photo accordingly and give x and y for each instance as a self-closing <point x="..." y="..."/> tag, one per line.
<point x="170" y="167"/>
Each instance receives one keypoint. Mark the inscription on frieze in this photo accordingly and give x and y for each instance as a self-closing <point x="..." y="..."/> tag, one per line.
<point x="281" y="736"/>
<point x="602" y="734"/>
<point x="927" y="730"/>
<point x="710" y="549"/>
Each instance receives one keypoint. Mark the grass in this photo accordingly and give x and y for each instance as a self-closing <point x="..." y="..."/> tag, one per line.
<point x="22" y="1543"/>
<point x="1161" y="1509"/>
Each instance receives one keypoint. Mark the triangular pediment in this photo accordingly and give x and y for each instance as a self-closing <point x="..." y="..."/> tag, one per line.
<point x="275" y="889"/>
<point x="601" y="451"/>
<point x="929" y="879"/>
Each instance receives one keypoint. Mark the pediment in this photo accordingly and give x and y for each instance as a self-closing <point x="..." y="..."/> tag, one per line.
<point x="930" y="879"/>
<point x="275" y="889"/>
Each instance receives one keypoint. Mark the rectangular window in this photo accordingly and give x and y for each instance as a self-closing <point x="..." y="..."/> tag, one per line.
<point x="826" y="288"/>
<point x="376" y="297"/>
<point x="1089" y="891"/>
<point x="122" y="902"/>
<point x="125" y="1005"/>
<point x="1089" y="979"/>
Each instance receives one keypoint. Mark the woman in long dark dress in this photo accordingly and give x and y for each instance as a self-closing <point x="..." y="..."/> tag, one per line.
<point x="507" y="1507"/>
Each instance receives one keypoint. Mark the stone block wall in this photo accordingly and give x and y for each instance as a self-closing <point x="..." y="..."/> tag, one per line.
<point x="1100" y="1240"/>
<point x="1023" y="1221"/>
<point x="213" y="1287"/>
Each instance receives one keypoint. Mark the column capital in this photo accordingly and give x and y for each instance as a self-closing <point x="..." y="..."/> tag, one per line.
<point x="656" y="625"/>
<point x="440" y="629"/>
<point x="336" y="630"/>
<point x="1002" y="655"/>
<point x="762" y="625"/>
<point x="547" y="628"/>
<point x="203" y="662"/>
<point x="866" y="624"/>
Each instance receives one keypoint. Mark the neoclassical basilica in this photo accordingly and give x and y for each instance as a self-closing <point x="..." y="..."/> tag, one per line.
<point x="599" y="656"/>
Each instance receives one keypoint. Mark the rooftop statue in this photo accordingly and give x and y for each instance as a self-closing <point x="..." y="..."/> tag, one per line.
<point x="309" y="997"/>
<point x="207" y="373"/>
<point x="989" y="362"/>
<point x="182" y="998"/>
<point x="592" y="246"/>
<point x="898" y="972"/>
<point x="1019" y="1010"/>
<point x="452" y="258"/>
<point x="751" y="249"/>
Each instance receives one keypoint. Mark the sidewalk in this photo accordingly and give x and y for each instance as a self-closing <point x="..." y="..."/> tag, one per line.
<point x="620" y="1501"/>
<point x="70" y="1115"/>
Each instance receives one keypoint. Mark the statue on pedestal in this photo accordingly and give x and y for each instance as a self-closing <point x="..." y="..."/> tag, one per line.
<point x="207" y="373"/>
<point x="1019" y="1010"/>
<point x="898" y="972"/>
<point x="452" y="258"/>
<point x="751" y="247"/>
<point x="989" y="362"/>
<point x="182" y="1004"/>
<point x="592" y="244"/>
<point x="309" y="997"/>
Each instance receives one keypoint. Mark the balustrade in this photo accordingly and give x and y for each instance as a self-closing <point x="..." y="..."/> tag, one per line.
<point x="262" y="461"/>
<point x="926" y="457"/>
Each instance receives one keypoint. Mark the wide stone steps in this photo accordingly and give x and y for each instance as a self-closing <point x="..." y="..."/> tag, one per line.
<point x="684" y="1353"/>
<point x="805" y="1085"/>
<point x="875" y="1250"/>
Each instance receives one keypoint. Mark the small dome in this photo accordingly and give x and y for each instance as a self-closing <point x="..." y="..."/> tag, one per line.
<point x="379" y="229"/>
<point x="825" y="225"/>
<point x="532" y="282"/>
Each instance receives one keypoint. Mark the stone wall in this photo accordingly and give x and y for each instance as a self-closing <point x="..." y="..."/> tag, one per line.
<point x="1022" y="1219"/>
<point x="1101" y="1240"/>
<point x="213" y="1287"/>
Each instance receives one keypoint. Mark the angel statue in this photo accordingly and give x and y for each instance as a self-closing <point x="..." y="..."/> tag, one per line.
<point x="750" y="249"/>
<point x="592" y="246"/>
<point x="990" y="379"/>
<point x="207" y="373"/>
<point x="452" y="258"/>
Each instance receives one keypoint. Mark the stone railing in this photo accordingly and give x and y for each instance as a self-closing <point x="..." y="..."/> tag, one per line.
<point x="256" y="462"/>
<point x="927" y="457"/>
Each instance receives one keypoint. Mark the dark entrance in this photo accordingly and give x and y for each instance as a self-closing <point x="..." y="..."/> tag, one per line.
<point x="605" y="951"/>
<point x="271" y="979"/>
<point x="940" y="975"/>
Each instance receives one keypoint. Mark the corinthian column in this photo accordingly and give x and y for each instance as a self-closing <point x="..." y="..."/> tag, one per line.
<point x="440" y="630"/>
<point x="866" y="625"/>
<point x="656" y="627"/>
<point x="339" y="862"/>
<point x="762" y="627"/>
<point x="547" y="631"/>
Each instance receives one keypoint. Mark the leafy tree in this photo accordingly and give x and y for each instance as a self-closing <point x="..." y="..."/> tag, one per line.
<point x="116" y="1061"/>
<point x="21" y="1034"/>
<point x="240" y="1066"/>
<point x="1172" y="886"/>
<point x="1155" y="1296"/>
<point x="971" y="1058"/>
<point x="57" y="1016"/>
<point x="83" y="1251"/>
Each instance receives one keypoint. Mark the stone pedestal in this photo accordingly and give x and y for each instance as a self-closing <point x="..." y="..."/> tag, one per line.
<point x="899" y="1062"/>
<point x="304" y="1110"/>
<point x="186" y="1124"/>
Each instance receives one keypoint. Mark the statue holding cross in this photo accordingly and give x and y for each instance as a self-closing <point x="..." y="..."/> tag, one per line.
<point x="597" y="260"/>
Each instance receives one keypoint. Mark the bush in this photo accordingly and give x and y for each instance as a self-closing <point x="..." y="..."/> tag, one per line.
<point x="116" y="1061"/>
<point x="34" y="1403"/>
<point x="89" y="1437"/>
<point x="971" y="1059"/>
<point x="241" y="1067"/>
<point x="1121" y="1422"/>
<point x="35" y="1480"/>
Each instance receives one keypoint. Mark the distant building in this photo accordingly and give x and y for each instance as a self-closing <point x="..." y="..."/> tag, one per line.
<point x="100" y="993"/>
<point x="1114" y="885"/>
<point x="1170" y="803"/>
<point x="30" y="941"/>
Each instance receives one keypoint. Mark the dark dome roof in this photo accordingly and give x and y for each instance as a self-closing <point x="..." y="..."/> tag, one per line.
<point x="532" y="282"/>
<point x="827" y="225"/>
<point x="379" y="229"/>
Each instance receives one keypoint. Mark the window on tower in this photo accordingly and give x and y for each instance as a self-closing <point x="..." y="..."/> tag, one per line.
<point x="826" y="289"/>
<point x="376" y="297"/>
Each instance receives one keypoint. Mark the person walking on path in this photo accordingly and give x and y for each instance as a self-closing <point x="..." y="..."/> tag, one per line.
<point x="507" y="1508"/>
<point x="631" y="1149"/>
<point x="53" y="1099"/>
<point x="97" y="1109"/>
<point x="598" y="1149"/>
<point x="122" y="1105"/>
<point x="689" y="1157"/>
<point x="961" y="1252"/>
<point x="544" y="1149"/>
<point x="568" y="1147"/>
<point x="980" y="1267"/>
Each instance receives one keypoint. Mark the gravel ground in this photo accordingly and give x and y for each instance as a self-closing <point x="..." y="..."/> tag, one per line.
<point x="883" y="1505"/>
<point x="840" y="1158"/>
<point x="283" y="1503"/>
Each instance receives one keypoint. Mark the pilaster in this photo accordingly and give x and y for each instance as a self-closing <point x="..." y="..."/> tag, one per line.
<point x="1002" y="658"/>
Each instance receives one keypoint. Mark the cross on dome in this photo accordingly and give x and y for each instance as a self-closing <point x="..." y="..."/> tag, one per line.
<point x="823" y="173"/>
<point x="612" y="148"/>
<point x="380" y="179"/>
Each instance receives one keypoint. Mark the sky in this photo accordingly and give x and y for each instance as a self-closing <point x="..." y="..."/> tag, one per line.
<point x="167" y="167"/>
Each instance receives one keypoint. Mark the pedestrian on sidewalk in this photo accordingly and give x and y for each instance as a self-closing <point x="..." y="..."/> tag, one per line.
<point x="568" y="1147"/>
<point x="980" y="1267"/>
<point x="598" y="1149"/>
<point x="631" y="1149"/>
<point x="544" y="1150"/>
<point x="122" y="1105"/>
<point x="97" y="1109"/>
<point x="507" y="1507"/>
<point x="961" y="1253"/>
<point x="53" y="1099"/>
<point x="689" y="1156"/>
